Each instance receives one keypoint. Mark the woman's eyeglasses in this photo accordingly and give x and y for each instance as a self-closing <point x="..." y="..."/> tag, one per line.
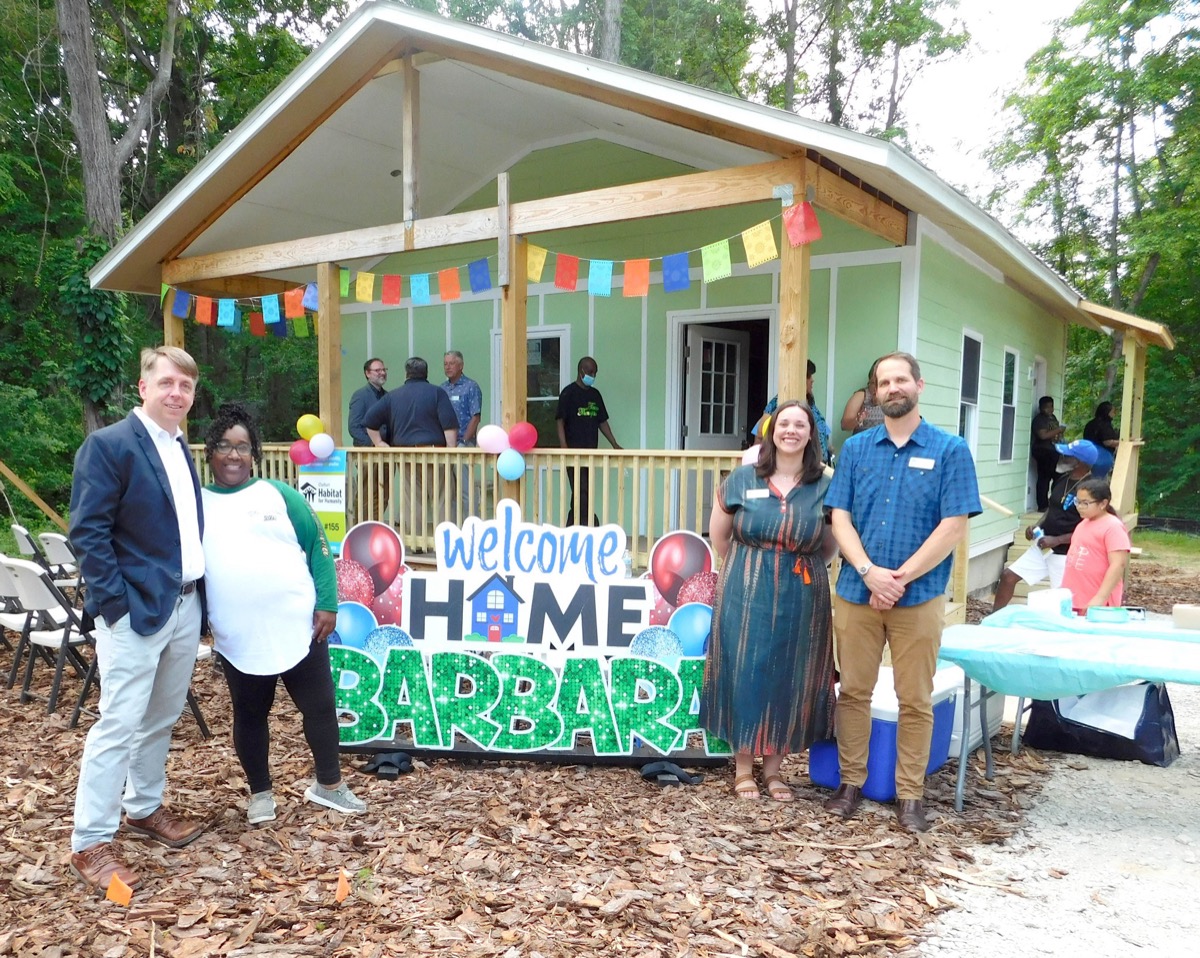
<point x="224" y="447"/>
<point x="1086" y="502"/>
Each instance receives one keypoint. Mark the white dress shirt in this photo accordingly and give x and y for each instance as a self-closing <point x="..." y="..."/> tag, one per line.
<point x="173" y="454"/>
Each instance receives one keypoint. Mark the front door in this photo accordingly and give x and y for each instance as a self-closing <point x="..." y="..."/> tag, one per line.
<point x="716" y="371"/>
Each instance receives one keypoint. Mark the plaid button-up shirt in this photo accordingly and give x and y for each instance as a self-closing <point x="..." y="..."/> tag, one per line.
<point x="896" y="496"/>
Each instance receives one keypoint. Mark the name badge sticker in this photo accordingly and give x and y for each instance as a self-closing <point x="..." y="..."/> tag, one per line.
<point x="757" y="493"/>
<point x="919" y="462"/>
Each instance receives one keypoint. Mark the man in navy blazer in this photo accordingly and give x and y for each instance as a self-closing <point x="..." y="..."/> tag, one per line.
<point x="136" y="525"/>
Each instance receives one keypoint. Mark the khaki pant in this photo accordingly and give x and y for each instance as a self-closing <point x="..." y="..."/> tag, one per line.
<point x="914" y="635"/>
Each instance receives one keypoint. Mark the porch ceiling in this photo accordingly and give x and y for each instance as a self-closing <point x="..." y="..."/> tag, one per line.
<point x="322" y="153"/>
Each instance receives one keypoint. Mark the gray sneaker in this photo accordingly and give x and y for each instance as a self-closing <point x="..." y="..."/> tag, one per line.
<point x="261" y="808"/>
<point x="340" y="799"/>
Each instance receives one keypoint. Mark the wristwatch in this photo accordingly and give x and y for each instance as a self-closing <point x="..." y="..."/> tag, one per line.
<point x="865" y="568"/>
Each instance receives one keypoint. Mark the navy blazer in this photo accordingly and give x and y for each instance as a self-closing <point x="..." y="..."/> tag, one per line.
<point x="124" y="528"/>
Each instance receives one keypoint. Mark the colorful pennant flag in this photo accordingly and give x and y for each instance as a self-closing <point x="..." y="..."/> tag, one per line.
<point x="225" y="310"/>
<point x="257" y="327"/>
<point x="479" y="275"/>
<point x="801" y="223"/>
<point x="637" y="277"/>
<point x="182" y="305"/>
<point x="300" y="327"/>
<point x="536" y="257"/>
<point x="364" y="288"/>
<point x="236" y="327"/>
<point x="675" y="272"/>
<point x="279" y="330"/>
<point x="270" y="305"/>
<point x="344" y="280"/>
<point x="204" y="310"/>
<point x="566" y="272"/>
<point x="293" y="303"/>
<point x="759" y="242"/>
<point x="162" y="293"/>
<point x="448" y="285"/>
<point x="418" y="287"/>
<point x="391" y="290"/>
<point x="715" y="259"/>
<point x="600" y="277"/>
<point x="311" y="300"/>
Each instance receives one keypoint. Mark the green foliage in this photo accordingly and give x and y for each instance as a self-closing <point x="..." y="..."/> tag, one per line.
<point x="103" y="343"/>
<point x="39" y="433"/>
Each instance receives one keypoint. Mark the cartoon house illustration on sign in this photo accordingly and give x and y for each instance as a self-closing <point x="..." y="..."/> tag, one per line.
<point x="494" y="609"/>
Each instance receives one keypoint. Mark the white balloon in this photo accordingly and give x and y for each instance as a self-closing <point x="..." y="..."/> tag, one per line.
<point x="321" y="445"/>
<point x="750" y="456"/>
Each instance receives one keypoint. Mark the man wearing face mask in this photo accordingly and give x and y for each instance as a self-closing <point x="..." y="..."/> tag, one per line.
<point x="581" y="417"/>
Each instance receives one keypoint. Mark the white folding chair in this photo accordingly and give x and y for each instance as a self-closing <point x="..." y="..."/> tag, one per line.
<point x="14" y="617"/>
<point x="38" y="594"/>
<point x="60" y="557"/>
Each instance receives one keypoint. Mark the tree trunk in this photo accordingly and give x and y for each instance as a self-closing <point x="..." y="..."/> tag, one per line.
<point x="610" y="32"/>
<point x="833" y="71"/>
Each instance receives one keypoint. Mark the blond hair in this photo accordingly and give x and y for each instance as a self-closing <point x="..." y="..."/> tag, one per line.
<point x="173" y="354"/>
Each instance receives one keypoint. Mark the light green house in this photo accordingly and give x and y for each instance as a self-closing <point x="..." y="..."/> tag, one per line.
<point x="408" y="144"/>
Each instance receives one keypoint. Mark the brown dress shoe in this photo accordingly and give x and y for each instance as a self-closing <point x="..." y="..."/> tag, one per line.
<point x="164" y="827"/>
<point x="910" y="813"/>
<point x="97" y="865"/>
<point x="845" y="801"/>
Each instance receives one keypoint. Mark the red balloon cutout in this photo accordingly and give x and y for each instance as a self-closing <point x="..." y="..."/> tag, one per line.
<point x="523" y="437"/>
<point x="376" y="547"/>
<point x="702" y="587"/>
<point x="353" y="583"/>
<point x="389" y="603"/>
<point x="674" y="559"/>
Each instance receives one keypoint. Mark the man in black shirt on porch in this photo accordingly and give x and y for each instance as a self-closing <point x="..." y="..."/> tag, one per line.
<point x="581" y="417"/>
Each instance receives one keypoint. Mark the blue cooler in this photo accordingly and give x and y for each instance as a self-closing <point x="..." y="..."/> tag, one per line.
<point x="880" y="786"/>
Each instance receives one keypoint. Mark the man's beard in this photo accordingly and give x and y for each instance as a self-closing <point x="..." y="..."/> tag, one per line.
<point x="898" y="408"/>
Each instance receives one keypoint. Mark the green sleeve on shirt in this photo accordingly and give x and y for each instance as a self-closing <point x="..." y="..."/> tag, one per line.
<point x="312" y="540"/>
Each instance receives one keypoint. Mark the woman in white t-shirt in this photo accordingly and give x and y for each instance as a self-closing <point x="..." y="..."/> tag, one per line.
<point x="272" y="604"/>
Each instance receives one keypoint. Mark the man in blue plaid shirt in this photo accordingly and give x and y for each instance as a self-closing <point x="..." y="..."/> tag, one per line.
<point x="901" y="497"/>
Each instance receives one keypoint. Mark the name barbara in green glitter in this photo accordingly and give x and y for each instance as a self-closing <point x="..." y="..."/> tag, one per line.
<point x="517" y="703"/>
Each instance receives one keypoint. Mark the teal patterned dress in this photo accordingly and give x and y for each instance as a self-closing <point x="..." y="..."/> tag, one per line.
<point x="768" y="677"/>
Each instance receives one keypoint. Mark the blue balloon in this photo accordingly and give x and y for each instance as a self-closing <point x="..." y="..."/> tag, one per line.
<point x="692" y="622"/>
<point x="658" y="643"/>
<point x="354" y="623"/>
<point x="511" y="465"/>
<point x="386" y="637"/>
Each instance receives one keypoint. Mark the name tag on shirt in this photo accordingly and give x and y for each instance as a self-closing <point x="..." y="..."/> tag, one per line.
<point x="919" y="462"/>
<point x="757" y="493"/>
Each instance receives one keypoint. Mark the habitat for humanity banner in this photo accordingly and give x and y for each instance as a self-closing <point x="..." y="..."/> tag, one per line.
<point x="527" y="638"/>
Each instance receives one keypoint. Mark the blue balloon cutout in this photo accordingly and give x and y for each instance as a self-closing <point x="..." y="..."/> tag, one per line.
<point x="658" y="643"/>
<point x="386" y="637"/>
<point x="511" y="465"/>
<point x="354" y="623"/>
<point x="692" y="622"/>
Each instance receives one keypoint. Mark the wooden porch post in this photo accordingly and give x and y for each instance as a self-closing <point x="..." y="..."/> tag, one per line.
<point x="1125" y="470"/>
<point x="172" y="324"/>
<point x="329" y="349"/>
<point x="514" y="349"/>
<point x="794" y="290"/>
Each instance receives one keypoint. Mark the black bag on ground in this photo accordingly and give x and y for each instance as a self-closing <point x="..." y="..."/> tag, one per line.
<point x="1130" y="722"/>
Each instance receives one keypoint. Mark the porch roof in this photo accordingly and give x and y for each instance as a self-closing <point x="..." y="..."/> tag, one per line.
<point x="321" y="154"/>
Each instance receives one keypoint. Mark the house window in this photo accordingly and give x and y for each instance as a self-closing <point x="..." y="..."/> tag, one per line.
<point x="508" y="618"/>
<point x="1008" y="405"/>
<point x="495" y="599"/>
<point x="480" y="616"/>
<point x="968" y="396"/>
<point x="545" y="378"/>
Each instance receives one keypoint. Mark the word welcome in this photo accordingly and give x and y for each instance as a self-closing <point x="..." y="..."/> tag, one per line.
<point x="516" y="703"/>
<point x="508" y="545"/>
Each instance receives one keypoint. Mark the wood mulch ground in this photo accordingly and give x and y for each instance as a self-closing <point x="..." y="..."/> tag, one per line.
<point x="497" y="858"/>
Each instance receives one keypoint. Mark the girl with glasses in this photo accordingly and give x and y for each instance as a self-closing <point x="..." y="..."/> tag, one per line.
<point x="1099" y="549"/>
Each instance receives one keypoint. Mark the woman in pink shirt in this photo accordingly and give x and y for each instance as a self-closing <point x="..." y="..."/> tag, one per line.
<point x="1099" y="549"/>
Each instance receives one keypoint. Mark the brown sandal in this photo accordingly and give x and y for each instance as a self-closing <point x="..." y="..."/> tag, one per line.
<point x="778" y="789"/>
<point x="742" y="786"/>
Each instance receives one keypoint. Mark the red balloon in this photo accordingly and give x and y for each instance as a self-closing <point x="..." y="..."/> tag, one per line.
<point x="523" y="437"/>
<point x="300" y="454"/>
<point x="660" y="614"/>
<point x="376" y="547"/>
<point x="675" y="558"/>
<point x="353" y="583"/>
<point x="702" y="587"/>
<point x="389" y="603"/>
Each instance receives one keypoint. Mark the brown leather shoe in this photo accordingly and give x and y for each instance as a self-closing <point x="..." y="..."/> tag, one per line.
<point x="164" y="827"/>
<point x="910" y="813"/>
<point x="97" y="864"/>
<point x="845" y="801"/>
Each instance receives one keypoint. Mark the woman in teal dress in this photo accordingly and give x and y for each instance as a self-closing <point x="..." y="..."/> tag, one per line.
<point x="768" y="682"/>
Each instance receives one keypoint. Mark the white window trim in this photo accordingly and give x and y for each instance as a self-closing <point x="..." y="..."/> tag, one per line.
<point x="972" y="436"/>
<point x="1016" y="404"/>
<point x="566" y="375"/>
